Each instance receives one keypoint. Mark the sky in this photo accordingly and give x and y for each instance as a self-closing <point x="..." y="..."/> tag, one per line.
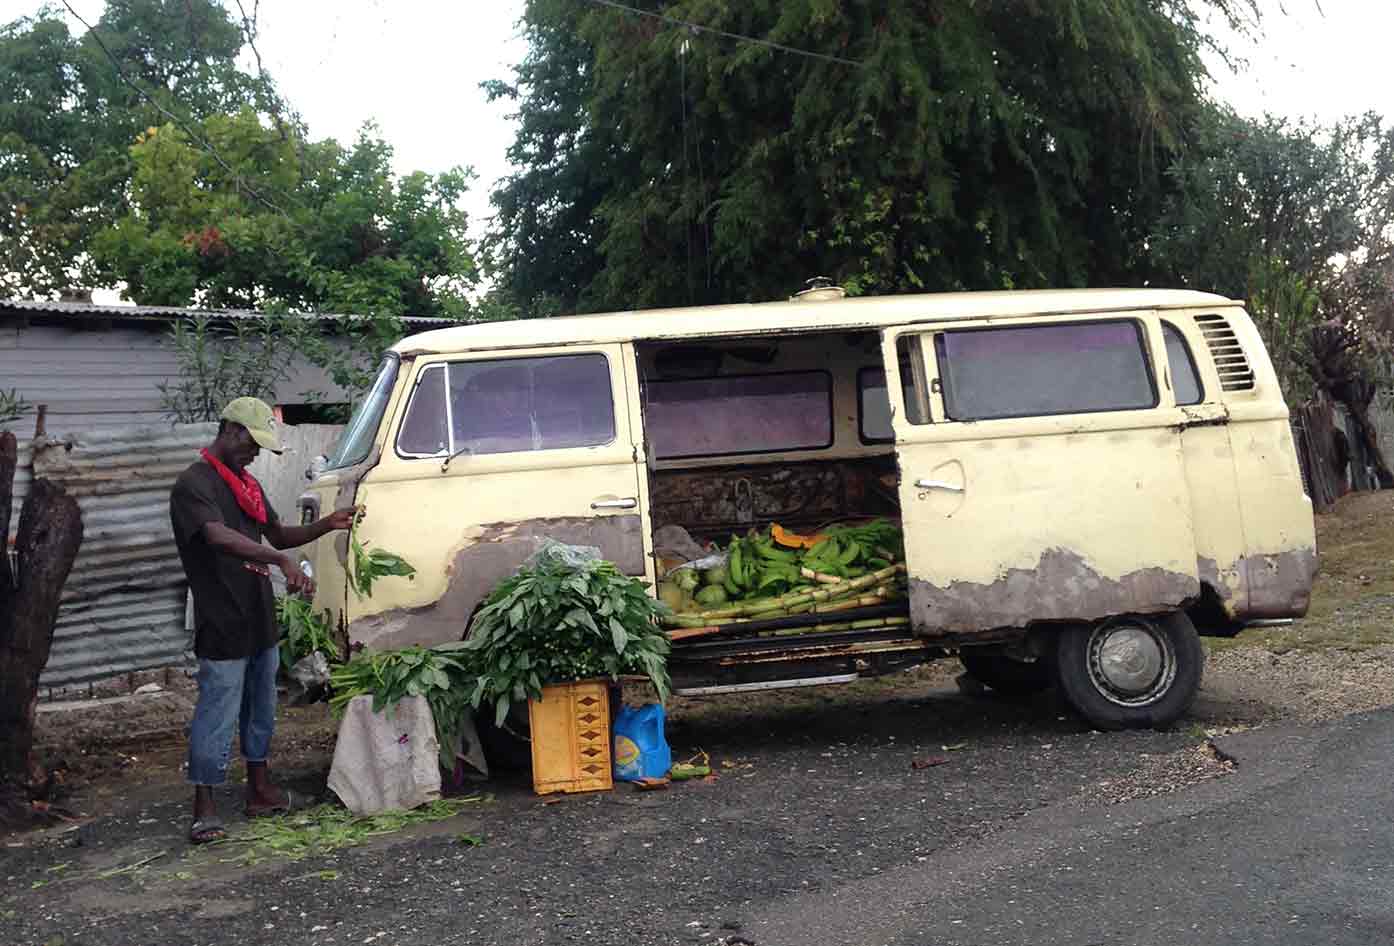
<point x="414" y="67"/>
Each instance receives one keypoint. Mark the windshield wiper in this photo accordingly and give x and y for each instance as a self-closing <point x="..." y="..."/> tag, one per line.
<point x="446" y="465"/>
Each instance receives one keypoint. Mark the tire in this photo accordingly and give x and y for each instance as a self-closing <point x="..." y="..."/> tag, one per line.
<point x="1132" y="672"/>
<point x="1008" y="677"/>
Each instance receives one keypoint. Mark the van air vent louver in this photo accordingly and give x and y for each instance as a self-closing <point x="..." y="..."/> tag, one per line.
<point x="1230" y="360"/>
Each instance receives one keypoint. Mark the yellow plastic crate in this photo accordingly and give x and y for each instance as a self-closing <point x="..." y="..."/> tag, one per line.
<point x="571" y="738"/>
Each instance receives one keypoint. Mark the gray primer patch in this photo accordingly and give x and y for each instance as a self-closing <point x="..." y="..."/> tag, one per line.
<point x="1280" y="584"/>
<point x="487" y="560"/>
<point x="1062" y="587"/>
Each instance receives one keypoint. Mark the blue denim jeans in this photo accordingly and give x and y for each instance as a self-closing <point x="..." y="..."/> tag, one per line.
<point x="229" y="692"/>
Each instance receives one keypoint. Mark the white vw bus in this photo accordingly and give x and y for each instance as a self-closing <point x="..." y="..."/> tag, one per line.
<point x="1084" y="478"/>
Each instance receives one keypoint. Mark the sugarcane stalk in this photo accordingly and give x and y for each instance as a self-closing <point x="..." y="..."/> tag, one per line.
<point x="820" y="577"/>
<point x="863" y="625"/>
<point x="789" y="601"/>
<point x="860" y="602"/>
<point x="870" y="623"/>
<point x="695" y="620"/>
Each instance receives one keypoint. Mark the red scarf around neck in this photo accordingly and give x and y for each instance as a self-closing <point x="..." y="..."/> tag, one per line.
<point x="245" y="488"/>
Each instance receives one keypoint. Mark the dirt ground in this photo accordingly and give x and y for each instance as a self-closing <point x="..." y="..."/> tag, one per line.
<point x="1337" y="660"/>
<point x="815" y="787"/>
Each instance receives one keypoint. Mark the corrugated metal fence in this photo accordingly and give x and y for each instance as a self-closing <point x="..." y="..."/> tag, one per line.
<point x="24" y="475"/>
<point x="124" y="603"/>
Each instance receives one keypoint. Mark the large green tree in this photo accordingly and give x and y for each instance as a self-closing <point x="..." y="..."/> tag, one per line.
<point x="1291" y="216"/>
<point x="922" y="146"/>
<point x="1298" y="220"/>
<point x="72" y="103"/>
<point x="248" y="214"/>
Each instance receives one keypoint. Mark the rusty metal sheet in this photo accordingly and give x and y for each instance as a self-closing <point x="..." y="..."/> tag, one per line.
<point x="123" y="604"/>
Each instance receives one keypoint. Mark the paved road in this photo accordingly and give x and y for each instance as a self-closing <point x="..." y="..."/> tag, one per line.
<point x="824" y="828"/>
<point x="1296" y="848"/>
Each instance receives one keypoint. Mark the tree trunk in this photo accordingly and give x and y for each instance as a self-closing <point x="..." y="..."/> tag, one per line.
<point x="50" y="532"/>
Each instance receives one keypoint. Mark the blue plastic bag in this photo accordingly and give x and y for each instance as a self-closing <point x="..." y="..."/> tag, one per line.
<point x="641" y="751"/>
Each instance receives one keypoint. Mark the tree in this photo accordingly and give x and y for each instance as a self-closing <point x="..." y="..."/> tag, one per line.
<point x="269" y="220"/>
<point x="220" y="362"/>
<point x="950" y="146"/>
<point x="1297" y="219"/>
<point x="70" y="105"/>
<point x="50" y="532"/>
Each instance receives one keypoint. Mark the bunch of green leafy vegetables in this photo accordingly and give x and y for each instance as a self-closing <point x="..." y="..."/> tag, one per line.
<point x="367" y="567"/>
<point x="303" y="631"/>
<point x="444" y="678"/>
<point x="559" y="620"/>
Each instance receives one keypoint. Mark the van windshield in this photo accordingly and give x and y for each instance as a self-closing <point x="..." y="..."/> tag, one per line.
<point x="357" y="440"/>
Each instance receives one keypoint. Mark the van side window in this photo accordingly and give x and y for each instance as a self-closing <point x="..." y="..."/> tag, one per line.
<point x="510" y="405"/>
<point x="874" y="403"/>
<point x="914" y="379"/>
<point x="1183" y="366"/>
<point x="735" y="414"/>
<point x="1038" y="370"/>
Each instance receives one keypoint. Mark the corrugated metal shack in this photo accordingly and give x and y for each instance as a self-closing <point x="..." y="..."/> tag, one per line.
<point x="99" y="366"/>
<point x="123" y="604"/>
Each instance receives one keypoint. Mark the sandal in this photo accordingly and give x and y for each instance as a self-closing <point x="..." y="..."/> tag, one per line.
<point x="284" y="808"/>
<point x="206" y="830"/>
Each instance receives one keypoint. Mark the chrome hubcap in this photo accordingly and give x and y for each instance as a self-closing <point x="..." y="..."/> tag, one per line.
<point x="1131" y="662"/>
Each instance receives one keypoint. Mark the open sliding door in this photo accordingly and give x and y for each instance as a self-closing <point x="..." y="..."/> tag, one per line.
<point x="1041" y="474"/>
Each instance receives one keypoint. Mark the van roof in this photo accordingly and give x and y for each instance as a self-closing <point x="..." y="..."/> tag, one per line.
<point x="866" y="312"/>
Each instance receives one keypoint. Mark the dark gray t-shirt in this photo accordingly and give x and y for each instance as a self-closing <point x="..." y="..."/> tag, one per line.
<point x="234" y="609"/>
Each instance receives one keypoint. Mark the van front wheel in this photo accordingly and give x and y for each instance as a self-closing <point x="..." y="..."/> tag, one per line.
<point x="1130" y="672"/>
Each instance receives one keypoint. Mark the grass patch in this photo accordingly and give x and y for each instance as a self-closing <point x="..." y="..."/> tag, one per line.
<point x="327" y="828"/>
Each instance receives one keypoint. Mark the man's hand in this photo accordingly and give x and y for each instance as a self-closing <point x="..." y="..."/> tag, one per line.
<point x="343" y="518"/>
<point x="296" y="580"/>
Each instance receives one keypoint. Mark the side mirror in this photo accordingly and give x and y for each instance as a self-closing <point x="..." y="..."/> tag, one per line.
<point x="317" y="466"/>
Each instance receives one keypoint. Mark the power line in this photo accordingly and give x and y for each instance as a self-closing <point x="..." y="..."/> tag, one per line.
<point x="182" y="125"/>
<point x="739" y="37"/>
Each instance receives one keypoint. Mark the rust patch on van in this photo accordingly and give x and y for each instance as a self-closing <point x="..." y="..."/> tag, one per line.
<point x="1280" y="584"/>
<point x="1209" y="572"/>
<point x="1062" y="587"/>
<point x="487" y="559"/>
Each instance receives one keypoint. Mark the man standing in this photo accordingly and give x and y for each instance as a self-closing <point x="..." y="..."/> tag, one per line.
<point x="220" y="515"/>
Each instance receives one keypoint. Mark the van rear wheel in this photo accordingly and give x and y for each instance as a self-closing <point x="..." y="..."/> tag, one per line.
<point x="1131" y="672"/>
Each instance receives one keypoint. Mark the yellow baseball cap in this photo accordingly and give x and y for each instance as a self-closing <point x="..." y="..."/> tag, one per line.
<point x="256" y="415"/>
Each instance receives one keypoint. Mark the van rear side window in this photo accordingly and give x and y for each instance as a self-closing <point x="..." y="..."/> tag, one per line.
<point x="1038" y="370"/>
<point x="509" y="405"/>
<point x="1183" y="367"/>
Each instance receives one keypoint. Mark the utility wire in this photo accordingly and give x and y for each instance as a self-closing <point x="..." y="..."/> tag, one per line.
<point x="739" y="37"/>
<point x="181" y="123"/>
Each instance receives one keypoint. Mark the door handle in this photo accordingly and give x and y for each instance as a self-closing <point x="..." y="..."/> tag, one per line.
<point x="629" y="503"/>
<point x="938" y="484"/>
